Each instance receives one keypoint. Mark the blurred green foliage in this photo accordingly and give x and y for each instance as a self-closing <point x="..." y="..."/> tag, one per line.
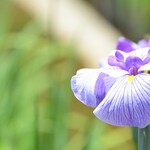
<point x="131" y="17"/>
<point x="37" y="108"/>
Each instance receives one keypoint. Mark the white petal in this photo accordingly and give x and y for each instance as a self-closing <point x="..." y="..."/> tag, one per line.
<point x="114" y="71"/>
<point x="141" y="53"/>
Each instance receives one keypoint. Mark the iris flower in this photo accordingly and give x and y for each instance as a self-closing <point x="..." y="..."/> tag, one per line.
<point x="120" y="91"/>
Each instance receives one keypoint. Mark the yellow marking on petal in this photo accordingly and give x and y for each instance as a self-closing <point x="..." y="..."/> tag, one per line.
<point x="145" y="71"/>
<point x="130" y="78"/>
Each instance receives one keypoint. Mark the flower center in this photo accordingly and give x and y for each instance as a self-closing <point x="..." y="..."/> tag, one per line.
<point x="130" y="78"/>
<point x="146" y="71"/>
<point x="130" y="64"/>
<point x="133" y="70"/>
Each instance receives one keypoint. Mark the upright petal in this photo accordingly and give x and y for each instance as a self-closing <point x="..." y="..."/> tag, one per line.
<point x="112" y="61"/>
<point x="133" y="61"/>
<point x="119" y="56"/>
<point x="126" y="45"/>
<point x="127" y="103"/>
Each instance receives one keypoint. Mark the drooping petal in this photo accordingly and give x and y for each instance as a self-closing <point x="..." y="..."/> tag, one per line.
<point x="112" y="61"/>
<point x="127" y="103"/>
<point x="83" y="86"/>
<point x="102" y="86"/>
<point x="126" y="45"/>
<point x="91" y="85"/>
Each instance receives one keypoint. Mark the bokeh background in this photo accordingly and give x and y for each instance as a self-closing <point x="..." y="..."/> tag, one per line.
<point x="40" y="50"/>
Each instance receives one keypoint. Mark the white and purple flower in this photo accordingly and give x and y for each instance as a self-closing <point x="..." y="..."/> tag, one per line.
<point x="119" y="92"/>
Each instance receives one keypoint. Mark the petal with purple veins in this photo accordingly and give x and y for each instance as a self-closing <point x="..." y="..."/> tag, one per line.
<point x="141" y="53"/>
<point x="90" y="85"/>
<point x="127" y="103"/>
<point x="83" y="85"/>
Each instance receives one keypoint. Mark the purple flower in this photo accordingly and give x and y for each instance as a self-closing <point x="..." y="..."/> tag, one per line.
<point x="128" y="46"/>
<point x="119" y="92"/>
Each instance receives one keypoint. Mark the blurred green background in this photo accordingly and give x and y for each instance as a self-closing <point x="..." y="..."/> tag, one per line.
<point x="131" y="17"/>
<point x="37" y="108"/>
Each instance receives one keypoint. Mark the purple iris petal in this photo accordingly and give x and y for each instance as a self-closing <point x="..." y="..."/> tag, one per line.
<point x="119" y="56"/>
<point x="113" y="61"/>
<point x="141" y="53"/>
<point x="91" y="85"/>
<point x="126" y="45"/>
<point x="127" y="104"/>
<point x="144" y="43"/>
<point x="133" y="61"/>
<point x="103" y="84"/>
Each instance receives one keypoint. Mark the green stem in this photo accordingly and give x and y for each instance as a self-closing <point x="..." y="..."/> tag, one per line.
<point x="144" y="138"/>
